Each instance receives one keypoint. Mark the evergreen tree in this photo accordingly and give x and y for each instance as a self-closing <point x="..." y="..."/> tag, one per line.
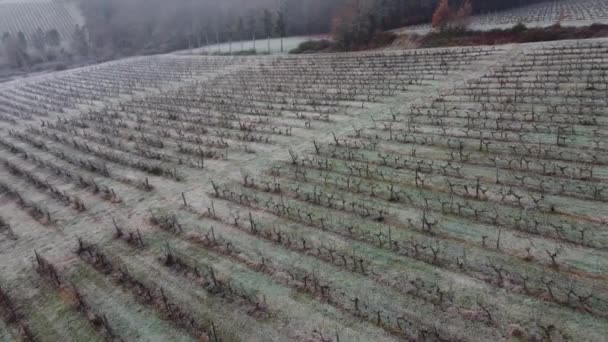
<point x="267" y="20"/>
<point x="240" y="28"/>
<point x="230" y="32"/>
<point x="53" y="38"/>
<point x="38" y="41"/>
<point x="22" y="41"/>
<point x="15" y="50"/>
<point x="79" y="41"/>
<point x="281" y="26"/>
<point x="252" y="23"/>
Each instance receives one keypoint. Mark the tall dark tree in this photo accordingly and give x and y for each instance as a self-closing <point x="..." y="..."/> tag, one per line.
<point x="52" y="38"/>
<point x="124" y="27"/>
<point x="240" y="28"/>
<point x="252" y="27"/>
<point x="22" y="41"/>
<point x="267" y="20"/>
<point x="38" y="41"/>
<point x="80" y="44"/>
<point x="230" y="34"/>
<point x="15" y="52"/>
<point x="281" y="26"/>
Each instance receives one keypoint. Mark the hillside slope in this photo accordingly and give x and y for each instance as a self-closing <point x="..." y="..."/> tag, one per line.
<point x="426" y="195"/>
<point x="568" y="12"/>
<point x="29" y="15"/>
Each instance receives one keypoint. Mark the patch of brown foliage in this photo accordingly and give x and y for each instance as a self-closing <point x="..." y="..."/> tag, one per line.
<point x="524" y="35"/>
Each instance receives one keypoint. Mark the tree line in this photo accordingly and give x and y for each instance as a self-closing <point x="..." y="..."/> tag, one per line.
<point x="358" y="23"/>
<point x="115" y="28"/>
<point x="125" y="27"/>
<point x="391" y="14"/>
<point x="21" y="51"/>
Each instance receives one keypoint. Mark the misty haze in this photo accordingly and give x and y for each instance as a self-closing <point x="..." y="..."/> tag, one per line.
<point x="303" y="170"/>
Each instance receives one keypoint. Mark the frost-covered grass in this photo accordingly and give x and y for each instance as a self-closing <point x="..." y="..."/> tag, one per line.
<point x="262" y="46"/>
<point x="568" y="12"/>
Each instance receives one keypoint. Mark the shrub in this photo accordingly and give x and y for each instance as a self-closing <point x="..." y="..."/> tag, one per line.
<point x="250" y="52"/>
<point x="383" y="38"/>
<point x="60" y="67"/>
<point x="443" y="15"/>
<point x="517" y="34"/>
<point x="312" y="46"/>
<point x="462" y="19"/>
<point x="448" y="19"/>
<point x="519" y="28"/>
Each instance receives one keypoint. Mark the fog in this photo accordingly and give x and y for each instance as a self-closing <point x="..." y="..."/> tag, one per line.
<point x="118" y="28"/>
<point x="142" y="26"/>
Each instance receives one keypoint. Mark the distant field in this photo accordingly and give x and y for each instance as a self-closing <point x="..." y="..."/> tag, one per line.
<point x="261" y="46"/>
<point x="423" y="195"/>
<point x="572" y="13"/>
<point x="28" y="15"/>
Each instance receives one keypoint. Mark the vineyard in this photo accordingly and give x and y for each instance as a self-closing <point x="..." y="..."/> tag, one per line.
<point x="550" y="12"/>
<point x="28" y="15"/>
<point x="428" y="195"/>
<point x="567" y="12"/>
<point x="261" y="46"/>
